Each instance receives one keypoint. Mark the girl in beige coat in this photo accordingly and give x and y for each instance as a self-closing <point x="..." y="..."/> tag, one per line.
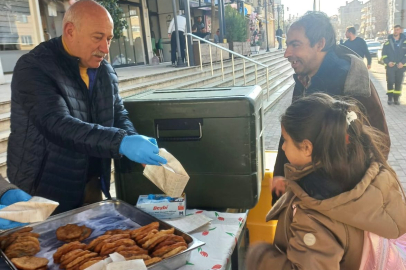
<point x="338" y="186"/>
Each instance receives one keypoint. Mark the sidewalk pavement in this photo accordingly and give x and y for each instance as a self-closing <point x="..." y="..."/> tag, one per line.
<point x="395" y="117"/>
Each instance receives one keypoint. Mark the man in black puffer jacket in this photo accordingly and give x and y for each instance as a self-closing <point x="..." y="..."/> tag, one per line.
<point x="67" y="118"/>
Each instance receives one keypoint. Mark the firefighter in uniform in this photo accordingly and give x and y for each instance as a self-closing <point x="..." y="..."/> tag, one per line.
<point x="394" y="57"/>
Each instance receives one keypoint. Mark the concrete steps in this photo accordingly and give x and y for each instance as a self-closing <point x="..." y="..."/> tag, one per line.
<point x="208" y="81"/>
<point x="280" y="80"/>
<point x="195" y="74"/>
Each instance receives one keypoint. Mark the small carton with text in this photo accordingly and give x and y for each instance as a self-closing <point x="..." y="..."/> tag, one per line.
<point x="162" y="206"/>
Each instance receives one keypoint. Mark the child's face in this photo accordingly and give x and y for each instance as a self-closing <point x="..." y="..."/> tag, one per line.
<point x="298" y="157"/>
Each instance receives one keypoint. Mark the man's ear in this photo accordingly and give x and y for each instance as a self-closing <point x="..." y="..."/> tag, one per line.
<point x="321" y="44"/>
<point x="307" y="148"/>
<point x="69" y="30"/>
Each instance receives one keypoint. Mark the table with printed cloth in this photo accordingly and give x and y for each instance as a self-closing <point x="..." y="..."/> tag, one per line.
<point x="222" y="240"/>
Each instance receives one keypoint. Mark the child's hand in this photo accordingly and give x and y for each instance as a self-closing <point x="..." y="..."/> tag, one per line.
<point x="278" y="185"/>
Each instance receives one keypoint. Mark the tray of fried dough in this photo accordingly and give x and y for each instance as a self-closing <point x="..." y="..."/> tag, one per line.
<point x="78" y="239"/>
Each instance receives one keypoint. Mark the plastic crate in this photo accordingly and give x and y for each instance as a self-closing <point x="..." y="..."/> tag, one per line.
<point x="259" y="229"/>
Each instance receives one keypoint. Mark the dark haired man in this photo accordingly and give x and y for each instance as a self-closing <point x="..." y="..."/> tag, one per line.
<point x="322" y="66"/>
<point x="216" y="36"/>
<point x="279" y="34"/>
<point x="357" y="44"/>
<point x="199" y="24"/>
<point x="394" y="57"/>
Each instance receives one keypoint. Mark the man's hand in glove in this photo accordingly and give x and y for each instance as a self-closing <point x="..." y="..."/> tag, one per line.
<point x="141" y="149"/>
<point x="14" y="195"/>
<point x="10" y="197"/>
<point x="6" y="224"/>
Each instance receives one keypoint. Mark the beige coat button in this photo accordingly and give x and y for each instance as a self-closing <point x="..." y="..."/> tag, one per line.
<point x="309" y="239"/>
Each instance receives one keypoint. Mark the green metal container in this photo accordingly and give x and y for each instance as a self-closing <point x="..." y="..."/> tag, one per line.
<point x="217" y="135"/>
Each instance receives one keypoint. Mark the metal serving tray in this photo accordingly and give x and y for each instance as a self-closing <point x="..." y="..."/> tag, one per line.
<point x="100" y="217"/>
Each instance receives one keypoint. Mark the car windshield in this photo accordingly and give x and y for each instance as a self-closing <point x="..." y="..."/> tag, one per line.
<point x="373" y="44"/>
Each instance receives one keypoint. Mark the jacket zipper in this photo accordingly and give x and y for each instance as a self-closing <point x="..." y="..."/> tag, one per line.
<point x="286" y="218"/>
<point x="94" y="87"/>
<point x="86" y="90"/>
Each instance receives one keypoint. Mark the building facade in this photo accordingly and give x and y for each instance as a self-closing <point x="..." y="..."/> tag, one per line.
<point x="334" y="21"/>
<point x="367" y="24"/>
<point x="396" y="12"/>
<point x="374" y="19"/>
<point x="350" y="15"/>
<point x="20" y="30"/>
<point x="26" y="23"/>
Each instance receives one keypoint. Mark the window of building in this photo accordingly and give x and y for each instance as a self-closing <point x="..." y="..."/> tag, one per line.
<point x="26" y="40"/>
<point x="17" y="27"/>
<point x="21" y="18"/>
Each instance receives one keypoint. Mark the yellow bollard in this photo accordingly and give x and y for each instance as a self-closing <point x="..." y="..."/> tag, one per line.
<point x="260" y="230"/>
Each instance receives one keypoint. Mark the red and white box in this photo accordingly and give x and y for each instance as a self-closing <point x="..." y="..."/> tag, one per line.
<point x="163" y="207"/>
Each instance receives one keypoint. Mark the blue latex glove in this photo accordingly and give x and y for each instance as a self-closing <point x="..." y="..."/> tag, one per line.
<point x="6" y="224"/>
<point x="141" y="149"/>
<point x="14" y="195"/>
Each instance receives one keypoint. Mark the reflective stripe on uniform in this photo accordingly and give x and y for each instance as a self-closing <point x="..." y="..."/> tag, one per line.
<point x="384" y="56"/>
<point x="387" y="43"/>
<point x="397" y="92"/>
<point x="390" y="91"/>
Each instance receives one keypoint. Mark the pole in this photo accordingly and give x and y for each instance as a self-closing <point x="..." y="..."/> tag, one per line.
<point x="179" y="60"/>
<point x="189" y="30"/>
<point x="221" y="18"/>
<point x="402" y="14"/>
<point x="266" y="25"/>
<point x="213" y="17"/>
<point x="224" y="16"/>
<point x="314" y="5"/>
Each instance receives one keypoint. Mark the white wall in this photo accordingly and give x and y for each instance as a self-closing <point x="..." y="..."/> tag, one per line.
<point x="165" y="11"/>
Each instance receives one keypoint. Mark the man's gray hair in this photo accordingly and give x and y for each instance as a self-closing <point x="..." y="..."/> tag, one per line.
<point x="72" y="15"/>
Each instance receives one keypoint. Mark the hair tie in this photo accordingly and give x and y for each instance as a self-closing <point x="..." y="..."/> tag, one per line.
<point x="351" y="116"/>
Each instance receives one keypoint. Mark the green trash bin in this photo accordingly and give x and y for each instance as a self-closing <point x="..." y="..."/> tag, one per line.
<point x="217" y="135"/>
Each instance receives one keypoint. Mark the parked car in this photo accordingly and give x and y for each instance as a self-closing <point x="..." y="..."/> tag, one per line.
<point x="379" y="55"/>
<point x="380" y="39"/>
<point x="373" y="47"/>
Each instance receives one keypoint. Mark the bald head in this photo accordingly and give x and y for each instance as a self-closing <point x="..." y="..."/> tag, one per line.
<point x="85" y="11"/>
<point x="87" y="32"/>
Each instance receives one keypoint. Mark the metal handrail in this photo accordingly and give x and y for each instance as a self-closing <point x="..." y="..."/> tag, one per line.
<point x="224" y="49"/>
<point x="256" y="63"/>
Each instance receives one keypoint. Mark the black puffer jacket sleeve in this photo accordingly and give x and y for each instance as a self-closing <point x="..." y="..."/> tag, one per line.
<point x="42" y="100"/>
